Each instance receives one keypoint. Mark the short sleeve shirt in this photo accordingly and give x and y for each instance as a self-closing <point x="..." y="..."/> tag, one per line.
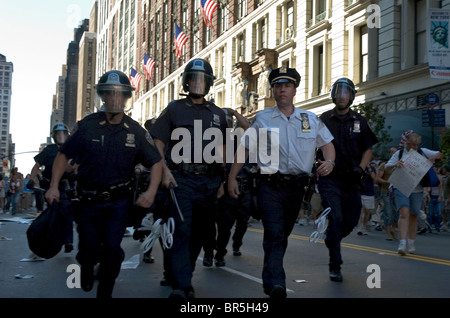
<point x="285" y="145"/>
<point x="352" y="137"/>
<point x="191" y="132"/>
<point x="107" y="154"/>
<point x="46" y="158"/>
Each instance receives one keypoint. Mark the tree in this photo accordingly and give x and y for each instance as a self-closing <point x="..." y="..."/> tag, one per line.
<point x="376" y="122"/>
<point x="444" y="145"/>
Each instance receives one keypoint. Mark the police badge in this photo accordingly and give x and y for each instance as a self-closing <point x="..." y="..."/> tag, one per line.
<point x="130" y="141"/>
<point x="357" y="126"/>
<point x="306" y="126"/>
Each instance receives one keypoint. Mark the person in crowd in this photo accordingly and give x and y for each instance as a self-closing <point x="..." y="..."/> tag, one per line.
<point x="291" y="136"/>
<point x="14" y="185"/>
<point x="446" y="207"/>
<point x="435" y="199"/>
<point x="2" y="193"/>
<point x="390" y="212"/>
<point x="234" y="211"/>
<point x="107" y="145"/>
<point x="194" y="171"/>
<point x="409" y="206"/>
<point x="367" y="199"/>
<point x="27" y="194"/>
<point x="353" y="141"/>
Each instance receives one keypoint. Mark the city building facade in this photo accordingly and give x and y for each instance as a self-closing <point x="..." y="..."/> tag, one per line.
<point x="6" y="146"/>
<point x="380" y="45"/>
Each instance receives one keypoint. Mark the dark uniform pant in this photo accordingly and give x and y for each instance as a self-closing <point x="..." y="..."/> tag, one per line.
<point x="345" y="202"/>
<point x="101" y="228"/>
<point x="279" y="208"/>
<point x="232" y="210"/>
<point x="197" y="198"/>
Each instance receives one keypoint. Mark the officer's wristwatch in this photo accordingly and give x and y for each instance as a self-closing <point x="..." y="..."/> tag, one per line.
<point x="332" y="162"/>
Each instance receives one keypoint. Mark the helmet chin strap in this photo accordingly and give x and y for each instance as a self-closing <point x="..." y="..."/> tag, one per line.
<point x="343" y="108"/>
<point x="196" y="95"/>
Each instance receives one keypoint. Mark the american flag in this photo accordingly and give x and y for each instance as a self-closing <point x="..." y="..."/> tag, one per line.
<point x="135" y="79"/>
<point x="149" y="65"/>
<point x="180" y="40"/>
<point x="404" y="138"/>
<point x="208" y="7"/>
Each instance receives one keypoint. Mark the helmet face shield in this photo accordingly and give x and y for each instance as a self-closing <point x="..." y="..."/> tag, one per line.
<point x="342" y="91"/>
<point x="198" y="83"/>
<point x="60" y="136"/>
<point x="114" y="98"/>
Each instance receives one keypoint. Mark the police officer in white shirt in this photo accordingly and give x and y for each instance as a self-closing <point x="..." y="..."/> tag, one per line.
<point x="284" y="139"/>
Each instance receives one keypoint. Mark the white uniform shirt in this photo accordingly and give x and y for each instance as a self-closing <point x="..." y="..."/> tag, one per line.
<point x="290" y="144"/>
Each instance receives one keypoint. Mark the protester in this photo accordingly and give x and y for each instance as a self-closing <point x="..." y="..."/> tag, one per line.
<point x="409" y="206"/>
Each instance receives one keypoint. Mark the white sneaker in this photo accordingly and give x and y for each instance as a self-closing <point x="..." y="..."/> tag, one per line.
<point x="402" y="247"/>
<point x="411" y="247"/>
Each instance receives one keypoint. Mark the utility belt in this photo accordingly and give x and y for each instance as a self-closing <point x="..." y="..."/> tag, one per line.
<point x="109" y="194"/>
<point x="279" y="180"/>
<point x="210" y="170"/>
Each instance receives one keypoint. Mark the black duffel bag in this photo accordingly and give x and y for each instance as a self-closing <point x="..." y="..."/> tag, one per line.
<point x="46" y="233"/>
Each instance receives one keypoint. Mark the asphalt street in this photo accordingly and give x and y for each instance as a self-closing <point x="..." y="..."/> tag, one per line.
<point x="372" y="268"/>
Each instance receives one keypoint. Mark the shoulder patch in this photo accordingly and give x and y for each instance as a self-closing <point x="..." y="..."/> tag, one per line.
<point x="150" y="140"/>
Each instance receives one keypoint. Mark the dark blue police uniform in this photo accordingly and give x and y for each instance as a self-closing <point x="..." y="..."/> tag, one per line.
<point x="198" y="182"/>
<point x="107" y="155"/>
<point x="234" y="210"/>
<point x="340" y="190"/>
<point x="45" y="159"/>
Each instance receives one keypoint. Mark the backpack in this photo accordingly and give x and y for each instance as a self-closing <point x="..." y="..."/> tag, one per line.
<point x="430" y="179"/>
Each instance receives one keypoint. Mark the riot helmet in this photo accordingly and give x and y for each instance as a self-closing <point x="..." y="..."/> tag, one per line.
<point x="342" y="90"/>
<point x="197" y="78"/>
<point x="114" y="88"/>
<point x="60" y="132"/>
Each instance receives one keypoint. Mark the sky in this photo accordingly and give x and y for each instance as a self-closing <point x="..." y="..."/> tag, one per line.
<point x="34" y="36"/>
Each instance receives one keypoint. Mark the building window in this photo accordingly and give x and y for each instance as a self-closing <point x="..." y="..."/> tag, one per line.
<point x="420" y="32"/>
<point x="262" y="34"/>
<point x="364" y="57"/>
<point x="223" y="16"/>
<point x="241" y="9"/>
<point x="220" y="62"/>
<point x="319" y="11"/>
<point x="240" y="48"/>
<point x="320" y="68"/>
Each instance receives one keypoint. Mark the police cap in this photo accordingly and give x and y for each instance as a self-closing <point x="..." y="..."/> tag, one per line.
<point x="284" y="75"/>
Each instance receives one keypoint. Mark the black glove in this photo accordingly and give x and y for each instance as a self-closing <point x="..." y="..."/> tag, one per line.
<point x="30" y="185"/>
<point x="357" y="176"/>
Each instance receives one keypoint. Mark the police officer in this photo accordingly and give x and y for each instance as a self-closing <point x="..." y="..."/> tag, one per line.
<point x="292" y="138"/>
<point x="194" y="167"/>
<point x="340" y="190"/>
<point x="45" y="158"/>
<point x="231" y="210"/>
<point x="107" y="146"/>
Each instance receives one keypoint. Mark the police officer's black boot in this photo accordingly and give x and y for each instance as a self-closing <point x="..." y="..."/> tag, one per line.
<point x="336" y="275"/>
<point x="87" y="277"/>
<point x="105" y="288"/>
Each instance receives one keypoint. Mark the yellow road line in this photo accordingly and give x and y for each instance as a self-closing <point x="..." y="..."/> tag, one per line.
<point x="373" y="250"/>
